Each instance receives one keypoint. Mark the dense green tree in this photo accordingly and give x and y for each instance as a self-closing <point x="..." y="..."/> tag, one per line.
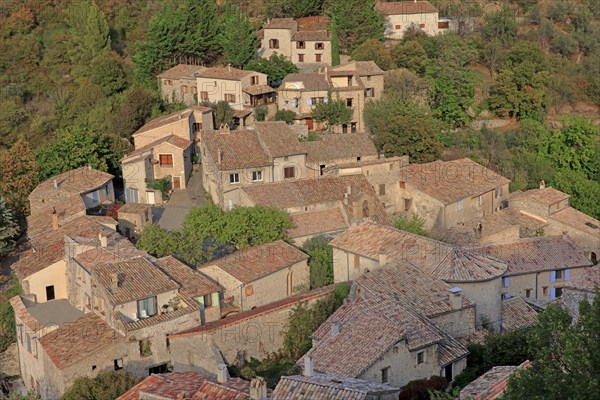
<point x="402" y="128"/>
<point x="133" y="108"/>
<point x="223" y="112"/>
<point x="88" y="32"/>
<point x="592" y="74"/>
<point x="104" y="386"/>
<point x="237" y="37"/>
<point x="19" y="175"/>
<point x="293" y="8"/>
<point x="333" y="112"/>
<point x="414" y="225"/>
<point x="335" y="44"/>
<point x="180" y="31"/>
<point x="373" y="50"/>
<point x="491" y="55"/>
<point x="29" y="396"/>
<point x="354" y="28"/>
<point x="108" y="73"/>
<point x="566" y="356"/>
<point x="276" y="67"/>
<point x="405" y="85"/>
<point x="285" y="115"/>
<point x="564" y="45"/>
<point x="320" y="262"/>
<point x="9" y="228"/>
<point x="158" y="241"/>
<point x="410" y="55"/>
<point x="500" y="25"/>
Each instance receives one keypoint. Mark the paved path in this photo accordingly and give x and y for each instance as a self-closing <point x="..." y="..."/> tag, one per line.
<point x="171" y="215"/>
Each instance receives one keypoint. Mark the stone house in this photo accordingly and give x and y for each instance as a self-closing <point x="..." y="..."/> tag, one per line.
<point x="450" y="193"/>
<point x="582" y="288"/>
<point x="260" y="275"/>
<point x="540" y="267"/>
<point x="164" y="149"/>
<point x="133" y="218"/>
<point x="303" y="41"/>
<point x="178" y="84"/>
<point x="407" y="346"/>
<point x="312" y="386"/>
<point x="399" y="16"/>
<point x="327" y="205"/>
<point x="242" y="89"/>
<point x="354" y="83"/>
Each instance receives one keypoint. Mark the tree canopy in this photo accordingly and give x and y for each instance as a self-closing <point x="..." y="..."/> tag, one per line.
<point x="105" y="386"/>
<point x="354" y="28"/>
<point x="276" y="67"/>
<point x="373" y="50"/>
<point x="320" y="262"/>
<point x="333" y="112"/>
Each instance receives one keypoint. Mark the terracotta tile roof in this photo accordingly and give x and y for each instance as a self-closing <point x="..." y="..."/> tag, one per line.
<point x="118" y="250"/>
<point x="405" y="7"/>
<point x="363" y="68"/>
<point x="517" y="314"/>
<point x="406" y="283"/>
<point x="377" y="324"/>
<point x="171" y="139"/>
<point x="462" y="266"/>
<point x="310" y="81"/>
<point x="78" y="339"/>
<point x="259" y="261"/>
<point x="490" y="385"/>
<point x="547" y="196"/>
<point x="67" y="209"/>
<point x="23" y="315"/>
<point x="233" y="74"/>
<point x="239" y="149"/>
<point x="255" y="90"/>
<point x="450" y="181"/>
<point x="329" y="386"/>
<point x="589" y="280"/>
<point x="366" y="163"/>
<point x="313" y="23"/>
<point x="134" y="208"/>
<point x="578" y="220"/>
<point x="181" y="71"/>
<point x="194" y="385"/>
<point x="278" y="139"/>
<point x="138" y="278"/>
<point x="313" y="36"/>
<point x="317" y="222"/>
<point x="193" y="283"/>
<point x="546" y="253"/>
<point x="49" y="246"/>
<point x="339" y="147"/>
<point x="74" y="182"/>
<point x="281" y="23"/>
<point x="164" y="120"/>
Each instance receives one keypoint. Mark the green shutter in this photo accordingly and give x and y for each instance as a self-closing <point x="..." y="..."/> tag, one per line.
<point x="215" y="299"/>
<point x="200" y="300"/>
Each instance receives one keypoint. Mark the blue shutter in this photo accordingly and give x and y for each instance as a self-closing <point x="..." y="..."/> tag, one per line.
<point x="506" y="295"/>
<point x="135" y="196"/>
<point x="552" y="293"/>
<point x="294" y="103"/>
<point x="95" y="195"/>
<point x="505" y="281"/>
<point x="127" y="195"/>
<point x="567" y="274"/>
<point x="552" y="276"/>
<point x="309" y="102"/>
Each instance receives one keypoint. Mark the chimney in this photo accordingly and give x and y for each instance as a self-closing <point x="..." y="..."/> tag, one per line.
<point x="349" y="189"/>
<point x="103" y="240"/>
<point x="382" y="257"/>
<point x="542" y="184"/>
<point x="258" y="389"/>
<point x="335" y="328"/>
<point x="219" y="155"/>
<point x="114" y="280"/>
<point x="308" y="365"/>
<point x="222" y="373"/>
<point x="229" y="67"/>
<point x="182" y="396"/>
<point x="54" y="218"/>
<point x="456" y="298"/>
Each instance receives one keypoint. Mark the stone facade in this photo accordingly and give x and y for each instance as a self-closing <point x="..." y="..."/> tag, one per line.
<point x="399" y="16"/>
<point x="539" y="285"/>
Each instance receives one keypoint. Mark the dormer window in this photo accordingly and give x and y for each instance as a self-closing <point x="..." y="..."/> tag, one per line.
<point x="300" y="44"/>
<point x="146" y="307"/>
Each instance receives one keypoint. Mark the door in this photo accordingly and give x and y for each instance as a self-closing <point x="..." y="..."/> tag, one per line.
<point x="176" y="182"/>
<point x="150" y="199"/>
<point x="310" y="124"/>
<point x="50" y="293"/>
<point x="448" y="372"/>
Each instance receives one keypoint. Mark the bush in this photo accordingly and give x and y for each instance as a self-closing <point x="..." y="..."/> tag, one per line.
<point x="107" y="385"/>
<point x="320" y="262"/>
<point x="419" y="389"/>
<point x="415" y="225"/>
<point x="285" y="115"/>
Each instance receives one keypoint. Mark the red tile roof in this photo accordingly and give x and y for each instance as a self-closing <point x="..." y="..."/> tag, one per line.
<point x="405" y="7"/>
<point x="176" y="141"/>
<point x="317" y="222"/>
<point x="164" y="120"/>
<point x="239" y="149"/>
<point x="233" y="74"/>
<point x="76" y="340"/>
<point x="492" y="384"/>
<point x="330" y="386"/>
<point x="547" y="196"/>
<point x="313" y="23"/>
<point x="310" y="81"/>
<point x="74" y="182"/>
<point x="517" y="314"/>
<point x="67" y="209"/>
<point x="339" y="147"/>
<point x="578" y="220"/>
<point x="363" y="68"/>
<point x="181" y="71"/>
<point x="278" y="139"/>
<point x="450" y="181"/>
<point x="258" y="261"/>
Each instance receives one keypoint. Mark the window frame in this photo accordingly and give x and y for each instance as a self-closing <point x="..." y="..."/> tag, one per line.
<point x="257" y="176"/>
<point x="319" y="57"/>
<point x="229" y="97"/>
<point x="385" y="375"/>
<point x="286" y="175"/>
<point x="301" y="44"/>
<point x="234" y="178"/>
<point x="139" y="304"/>
<point x="420" y="357"/>
<point x="300" y="57"/>
<point x="168" y="156"/>
<point x="273" y="43"/>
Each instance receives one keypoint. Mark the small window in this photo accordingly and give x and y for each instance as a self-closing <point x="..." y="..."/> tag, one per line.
<point x="194" y="90"/>
<point x="300" y="44"/>
<point x="167" y="341"/>
<point x="197" y="127"/>
<point x="254" y="80"/>
<point x="406" y="204"/>
<point x="421" y="26"/>
<point x="370" y="92"/>
<point x="382" y="189"/>
<point x="145" y="347"/>
<point x="230" y="98"/>
<point x="402" y="185"/>
<point x="146" y="307"/>
<point x="345" y="128"/>
<point x="165" y="160"/>
<point x="289" y="172"/>
<point x="559" y="274"/>
<point x="93" y="367"/>
<point x="300" y="57"/>
<point x="505" y="282"/>
<point x="319" y="46"/>
<point x="118" y="364"/>
<point x="397" y="26"/>
<point x="204" y="96"/>
<point x="353" y="127"/>
<point x="528" y="293"/>
<point x="318" y="57"/>
<point x="420" y="357"/>
<point x="274" y="44"/>
<point x="256" y="176"/>
<point x="208" y="300"/>
<point x="321" y="169"/>
<point x="234" y="178"/>
<point x="498" y="192"/>
<point x="358" y="159"/>
<point x="249" y="290"/>
<point x="558" y="292"/>
<point x="349" y="102"/>
<point x="385" y="372"/>
<point x="184" y="89"/>
<point x="459" y="205"/>
<point x="545" y="290"/>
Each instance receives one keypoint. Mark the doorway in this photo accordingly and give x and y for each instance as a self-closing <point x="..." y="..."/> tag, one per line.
<point x="150" y="199"/>
<point x="176" y="182"/>
<point x="448" y="372"/>
<point x="50" y="293"/>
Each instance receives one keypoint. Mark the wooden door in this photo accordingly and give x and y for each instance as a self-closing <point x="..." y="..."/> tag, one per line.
<point x="176" y="182"/>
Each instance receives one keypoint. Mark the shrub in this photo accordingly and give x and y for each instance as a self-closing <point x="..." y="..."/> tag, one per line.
<point x="419" y="389"/>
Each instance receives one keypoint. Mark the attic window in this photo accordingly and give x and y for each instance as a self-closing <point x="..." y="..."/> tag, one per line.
<point x="593" y="226"/>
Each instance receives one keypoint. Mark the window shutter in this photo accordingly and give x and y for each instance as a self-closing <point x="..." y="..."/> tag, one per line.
<point x="200" y="301"/>
<point x="127" y="196"/>
<point x="95" y="195"/>
<point x="215" y="299"/>
<point x="567" y="274"/>
<point x="552" y="293"/>
<point x="325" y="100"/>
<point x="309" y="102"/>
<point x="294" y="102"/>
<point x="552" y="276"/>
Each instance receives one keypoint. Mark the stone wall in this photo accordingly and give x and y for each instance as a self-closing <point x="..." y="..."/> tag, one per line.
<point x="538" y="283"/>
<point x="457" y="323"/>
<point x="486" y="296"/>
<point x="572" y="297"/>
<point x="348" y="266"/>
<point x="396" y="25"/>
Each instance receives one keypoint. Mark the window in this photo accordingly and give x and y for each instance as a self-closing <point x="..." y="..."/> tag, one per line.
<point x="382" y="189"/>
<point x="256" y="176"/>
<point x="197" y="126"/>
<point x="356" y="261"/>
<point x="397" y="26"/>
<point x="459" y="205"/>
<point x="321" y="169"/>
<point x="505" y="282"/>
<point x="146" y="307"/>
<point x="318" y="57"/>
<point x="300" y="57"/>
<point x="207" y="300"/>
<point x="295" y="103"/>
<point x="402" y="185"/>
<point x="528" y="293"/>
<point x="184" y="89"/>
<point x="319" y="46"/>
<point x="420" y="357"/>
<point x="545" y="290"/>
<point x="344" y="128"/>
<point x="498" y="192"/>
<point x="95" y="195"/>
<point x="349" y="102"/>
<point x="370" y="92"/>
<point x="167" y="341"/>
<point x="289" y="172"/>
<point x="50" y="293"/>
<point x="300" y="44"/>
<point x="249" y="290"/>
<point x="28" y="343"/>
<point x="229" y="97"/>
<point x="118" y="364"/>
<point x="159" y="369"/>
<point x="165" y="160"/>
<point x="358" y="158"/>
<point x="353" y="127"/>
<point x="385" y="372"/>
<point x="93" y="367"/>
<point x="559" y="275"/>
<point x="194" y="90"/>
<point x="234" y="178"/>
<point x="443" y="24"/>
<point x="406" y="204"/>
<point x="204" y="96"/>
<point x="558" y="292"/>
<point x="421" y="26"/>
<point x="273" y="44"/>
<point x="254" y="80"/>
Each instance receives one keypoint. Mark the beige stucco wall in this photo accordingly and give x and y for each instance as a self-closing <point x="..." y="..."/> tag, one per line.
<point x="344" y="265"/>
<point x="536" y="282"/>
<point x="218" y="88"/>
<point x="52" y="275"/>
<point x="285" y="43"/>
<point x="426" y="207"/>
<point x="486" y="296"/>
<point x="182" y="163"/>
<point x="405" y="20"/>
<point x="173" y="91"/>
<point x="135" y="173"/>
